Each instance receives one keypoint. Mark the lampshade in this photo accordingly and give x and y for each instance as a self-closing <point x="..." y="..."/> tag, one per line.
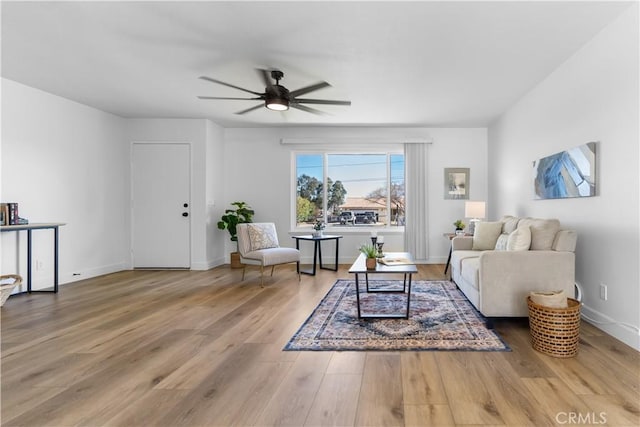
<point x="277" y="104"/>
<point x="474" y="210"/>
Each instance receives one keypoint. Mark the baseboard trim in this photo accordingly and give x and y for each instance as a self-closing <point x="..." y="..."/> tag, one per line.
<point x="611" y="326"/>
<point x="92" y="272"/>
<point x="208" y="265"/>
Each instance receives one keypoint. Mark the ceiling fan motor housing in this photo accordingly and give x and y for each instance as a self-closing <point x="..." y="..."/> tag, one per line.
<point x="277" y="75"/>
<point x="276" y="97"/>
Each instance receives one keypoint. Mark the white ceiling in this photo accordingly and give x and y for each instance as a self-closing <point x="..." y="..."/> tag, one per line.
<point x="400" y="63"/>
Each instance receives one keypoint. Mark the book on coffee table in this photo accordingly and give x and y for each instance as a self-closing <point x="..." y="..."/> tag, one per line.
<point x="395" y="261"/>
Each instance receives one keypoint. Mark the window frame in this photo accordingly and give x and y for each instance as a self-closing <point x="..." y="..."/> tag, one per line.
<point x="388" y="151"/>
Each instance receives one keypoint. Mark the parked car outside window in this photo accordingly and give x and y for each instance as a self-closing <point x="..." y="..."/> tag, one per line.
<point x="347" y="217"/>
<point x="373" y="216"/>
<point x="363" y="218"/>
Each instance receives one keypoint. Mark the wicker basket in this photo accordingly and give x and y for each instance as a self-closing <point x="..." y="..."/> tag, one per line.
<point x="6" y="288"/>
<point x="555" y="331"/>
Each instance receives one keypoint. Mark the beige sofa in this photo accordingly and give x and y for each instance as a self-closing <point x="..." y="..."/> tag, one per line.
<point x="505" y="260"/>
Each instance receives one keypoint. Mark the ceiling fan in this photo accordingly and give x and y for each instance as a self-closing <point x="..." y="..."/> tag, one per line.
<point x="277" y="97"/>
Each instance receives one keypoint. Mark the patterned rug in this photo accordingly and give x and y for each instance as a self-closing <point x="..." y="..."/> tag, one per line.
<point x="440" y="318"/>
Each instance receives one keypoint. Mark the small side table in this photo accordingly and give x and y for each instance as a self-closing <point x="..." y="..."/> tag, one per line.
<point x="317" y="251"/>
<point x="450" y="236"/>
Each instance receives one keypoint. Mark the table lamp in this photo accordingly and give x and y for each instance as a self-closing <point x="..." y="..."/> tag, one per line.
<point x="475" y="211"/>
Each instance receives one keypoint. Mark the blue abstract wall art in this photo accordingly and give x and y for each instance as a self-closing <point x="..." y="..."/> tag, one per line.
<point x="570" y="173"/>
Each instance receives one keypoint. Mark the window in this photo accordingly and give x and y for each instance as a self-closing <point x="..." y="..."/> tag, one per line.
<point x="350" y="190"/>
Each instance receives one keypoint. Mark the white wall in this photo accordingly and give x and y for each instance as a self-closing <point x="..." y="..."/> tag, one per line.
<point x="215" y="181"/>
<point x="64" y="162"/>
<point x="258" y="171"/>
<point x="205" y="139"/>
<point x="591" y="97"/>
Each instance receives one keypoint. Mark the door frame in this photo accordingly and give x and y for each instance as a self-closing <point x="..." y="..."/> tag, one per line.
<point x="189" y="144"/>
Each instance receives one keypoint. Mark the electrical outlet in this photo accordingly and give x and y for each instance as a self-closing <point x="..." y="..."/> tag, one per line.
<point x="39" y="265"/>
<point x="603" y="291"/>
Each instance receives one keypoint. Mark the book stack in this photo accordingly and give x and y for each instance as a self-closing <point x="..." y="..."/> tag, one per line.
<point x="9" y="214"/>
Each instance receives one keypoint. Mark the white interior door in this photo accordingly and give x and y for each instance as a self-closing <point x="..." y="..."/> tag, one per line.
<point x="161" y="205"/>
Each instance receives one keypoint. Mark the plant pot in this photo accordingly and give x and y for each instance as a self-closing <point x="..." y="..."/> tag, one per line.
<point x="317" y="233"/>
<point x="235" y="260"/>
<point x="370" y="263"/>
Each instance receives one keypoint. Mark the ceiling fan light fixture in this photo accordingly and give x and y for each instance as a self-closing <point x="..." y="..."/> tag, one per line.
<point x="277" y="97"/>
<point x="277" y="104"/>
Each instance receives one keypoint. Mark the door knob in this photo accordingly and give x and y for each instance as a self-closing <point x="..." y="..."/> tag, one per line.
<point x="185" y="214"/>
<point x="186" y="205"/>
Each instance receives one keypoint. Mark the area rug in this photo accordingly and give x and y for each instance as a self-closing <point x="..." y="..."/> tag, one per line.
<point x="440" y="318"/>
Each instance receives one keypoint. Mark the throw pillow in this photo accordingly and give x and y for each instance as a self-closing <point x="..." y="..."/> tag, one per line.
<point x="551" y="299"/>
<point x="519" y="240"/>
<point x="543" y="232"/>
<point x="501" y="243"/>
<point x="486" y="235"/>
<point x="262" y="236"/>
<point x="510" y="223"/>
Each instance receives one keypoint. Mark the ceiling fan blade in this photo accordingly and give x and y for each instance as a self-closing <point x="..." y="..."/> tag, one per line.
<point x="228" y="84"/>
<point x="308" y="89"/>
<point x="222" y="97"/>
<point x="266" y="76"/>
<point x="321" y="101"/>
<point x="250" y="109"/>
<point x="308" y="109"/>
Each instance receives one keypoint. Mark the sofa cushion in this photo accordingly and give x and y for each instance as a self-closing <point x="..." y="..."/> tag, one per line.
<point x="458" y="256"/>
<point x="501" y="243"/>
<point x="565" y="241"/>
<point x="486" y="234"/>
<point x="509" y="223"/>
<point x="543" y="232"/>
<point x="470" y="271"/>
<point x="262" y="236"/>
<point x="520" y="239"/>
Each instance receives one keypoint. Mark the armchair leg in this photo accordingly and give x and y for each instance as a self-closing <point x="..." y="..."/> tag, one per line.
<point x="261" y="276"/>
<point x="272" y="267"/>
<point x="244" y="268"/>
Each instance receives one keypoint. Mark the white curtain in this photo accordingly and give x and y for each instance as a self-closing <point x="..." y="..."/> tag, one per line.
<point x="416" y="231"/>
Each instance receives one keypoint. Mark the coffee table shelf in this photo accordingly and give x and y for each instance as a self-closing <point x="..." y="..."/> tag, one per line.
<point x="407" y="270"/>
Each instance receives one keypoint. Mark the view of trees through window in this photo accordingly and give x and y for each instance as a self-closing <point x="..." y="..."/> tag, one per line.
<point x="358" y="189"/>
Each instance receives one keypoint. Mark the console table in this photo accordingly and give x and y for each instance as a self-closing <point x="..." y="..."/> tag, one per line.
<point x="29" y="228"/>
<point x="317" y="251"/>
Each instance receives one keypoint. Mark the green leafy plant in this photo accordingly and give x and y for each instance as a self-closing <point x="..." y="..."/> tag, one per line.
<point x="319" y="226"/>
<point x="459" y="224"/>
<point x="369" y="251"/>
<point x="232" y="217"/>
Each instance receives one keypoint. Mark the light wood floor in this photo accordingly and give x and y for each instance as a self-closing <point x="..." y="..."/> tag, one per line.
<point x="180" y="348"/>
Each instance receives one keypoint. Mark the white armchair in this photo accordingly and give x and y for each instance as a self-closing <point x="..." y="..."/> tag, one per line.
<point x="258" y="245"/>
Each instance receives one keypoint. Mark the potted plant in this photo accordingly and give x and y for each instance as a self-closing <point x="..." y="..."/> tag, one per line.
<point x="459" y="225"/>
<point x="318" y="227"/>
<point x="369" y="251"/>
<point x="230" y="220"/>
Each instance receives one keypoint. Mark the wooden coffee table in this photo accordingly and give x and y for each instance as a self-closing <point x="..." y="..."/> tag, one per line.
<point x="359" y="267"/>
